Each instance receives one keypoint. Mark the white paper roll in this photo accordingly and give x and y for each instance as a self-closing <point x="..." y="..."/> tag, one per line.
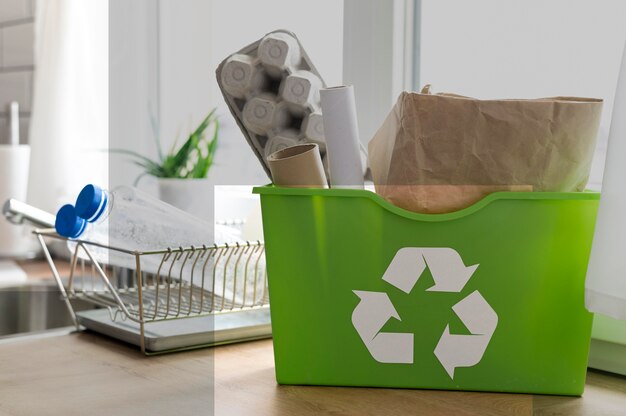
<point x="342" y="137"/>
<point x="14" y="161"/>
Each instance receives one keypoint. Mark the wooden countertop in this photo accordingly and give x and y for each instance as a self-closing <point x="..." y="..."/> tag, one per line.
<point x="40" y="270"/>
<point x="85" y="373"/>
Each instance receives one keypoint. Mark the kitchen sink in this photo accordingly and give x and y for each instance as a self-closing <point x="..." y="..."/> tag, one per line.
<point x="34" y="307"/>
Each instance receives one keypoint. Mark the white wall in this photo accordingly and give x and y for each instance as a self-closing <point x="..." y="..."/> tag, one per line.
<point x="378" y="57"/>
<point x="525" y="49"/>
<point x="184" y="66"/>
<point x="133" y="84"/>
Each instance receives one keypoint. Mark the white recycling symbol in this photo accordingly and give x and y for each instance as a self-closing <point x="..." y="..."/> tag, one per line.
<point x="450" y="275"/>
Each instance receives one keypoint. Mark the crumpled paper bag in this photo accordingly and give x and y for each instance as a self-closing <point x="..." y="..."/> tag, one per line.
<point x="438" y="153"/>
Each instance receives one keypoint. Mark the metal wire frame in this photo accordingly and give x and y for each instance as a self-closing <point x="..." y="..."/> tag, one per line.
<point x="188" y="282"/>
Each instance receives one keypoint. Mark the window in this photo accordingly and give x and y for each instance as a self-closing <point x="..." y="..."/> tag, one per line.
<point x="530" y="49"/>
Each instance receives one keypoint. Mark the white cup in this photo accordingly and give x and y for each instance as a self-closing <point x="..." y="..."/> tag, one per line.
<point x="313" y="130"/>
<point x="301" y="90"/>
<point x="265" y="112"/>
<point x="241" y="75"/>
<point x="279" y="52"/>
<point x="281" y="140"/>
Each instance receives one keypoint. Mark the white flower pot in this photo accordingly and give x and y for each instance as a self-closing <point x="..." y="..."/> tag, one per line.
<point x="194" y="196"/>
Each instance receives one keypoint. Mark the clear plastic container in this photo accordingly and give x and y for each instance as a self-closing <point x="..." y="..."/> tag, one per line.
<point x="132" y="220"/>
<point x="137" y="221"/>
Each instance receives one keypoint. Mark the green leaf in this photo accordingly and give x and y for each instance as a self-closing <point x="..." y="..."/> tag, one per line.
<point x="182" y="163"/>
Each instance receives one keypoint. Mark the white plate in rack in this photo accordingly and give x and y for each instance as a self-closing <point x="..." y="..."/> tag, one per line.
<point x="173" y="334"/>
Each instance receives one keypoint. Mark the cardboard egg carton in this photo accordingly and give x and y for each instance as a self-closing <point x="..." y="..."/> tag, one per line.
<point x="272" y="89"/>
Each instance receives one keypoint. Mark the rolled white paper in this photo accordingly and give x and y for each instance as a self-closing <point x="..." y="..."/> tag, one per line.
<point x="14" y="137"/>
<point x="364" y="159"/>
<point x="605" y="287"/>
<point x="14" y="161"/>
<point x="342" y="137"/>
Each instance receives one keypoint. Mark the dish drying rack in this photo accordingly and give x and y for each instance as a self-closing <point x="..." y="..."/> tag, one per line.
<point x="145" y="298"/>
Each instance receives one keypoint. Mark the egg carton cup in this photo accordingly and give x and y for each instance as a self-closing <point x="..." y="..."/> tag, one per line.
<point x="272" y="89"/>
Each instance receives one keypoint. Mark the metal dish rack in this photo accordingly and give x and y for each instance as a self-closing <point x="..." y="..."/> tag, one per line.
<point x="146" y="298"/>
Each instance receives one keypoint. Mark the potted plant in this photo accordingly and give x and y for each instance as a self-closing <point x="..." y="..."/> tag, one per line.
<point x="182" y="173"/>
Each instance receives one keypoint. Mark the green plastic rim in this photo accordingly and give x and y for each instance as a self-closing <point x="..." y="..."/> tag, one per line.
<point x="358" y="193"/>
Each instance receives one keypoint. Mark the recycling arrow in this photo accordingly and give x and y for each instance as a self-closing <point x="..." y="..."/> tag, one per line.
<point x="445" y="264"/>
<point x="368" y="318"/>
<point x="479" y="318"/>
<point x="450" y="275"/>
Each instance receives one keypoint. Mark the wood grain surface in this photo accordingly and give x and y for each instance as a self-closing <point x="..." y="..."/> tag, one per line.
<point x="245" y="385"/>
<point x="39" y="269"/>
<point x="87" y="374"/>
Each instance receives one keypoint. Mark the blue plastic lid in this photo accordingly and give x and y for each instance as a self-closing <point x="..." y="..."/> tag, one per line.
<point x="68" y="224"/>
<point x="91" y="203"/>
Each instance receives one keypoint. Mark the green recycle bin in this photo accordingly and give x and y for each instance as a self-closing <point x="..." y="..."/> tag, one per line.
<point x="489" y="298"/>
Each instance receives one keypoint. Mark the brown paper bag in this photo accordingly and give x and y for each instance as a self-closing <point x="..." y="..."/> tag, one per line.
<point x="440" y="153"/>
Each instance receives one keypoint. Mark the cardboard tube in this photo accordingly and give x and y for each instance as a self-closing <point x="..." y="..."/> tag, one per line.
<point x="342" y="137"/>
<point x="298" y="167"/>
